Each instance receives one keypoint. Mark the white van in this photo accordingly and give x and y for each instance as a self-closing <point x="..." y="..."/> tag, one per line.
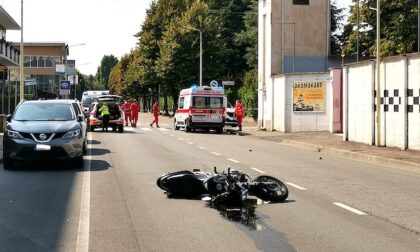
<point x="201" y="108"/>
<point x="88" y="97"/>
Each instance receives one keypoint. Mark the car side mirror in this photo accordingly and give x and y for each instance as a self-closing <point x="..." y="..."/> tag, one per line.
<point x="9" y="118"/>
<point x="86" y="113"/>
<point x="80" y="118"/>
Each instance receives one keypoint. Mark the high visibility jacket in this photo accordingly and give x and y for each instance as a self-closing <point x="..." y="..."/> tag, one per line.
<point x="104" y="110"/>
<point x="239" y="110"/>
<point x="156" y="109"/>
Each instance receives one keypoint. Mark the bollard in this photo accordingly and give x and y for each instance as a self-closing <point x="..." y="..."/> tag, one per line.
<point x="3" y="123"/>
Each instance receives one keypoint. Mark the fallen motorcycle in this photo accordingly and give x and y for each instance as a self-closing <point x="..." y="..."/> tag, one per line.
<point x="231" y="186"/>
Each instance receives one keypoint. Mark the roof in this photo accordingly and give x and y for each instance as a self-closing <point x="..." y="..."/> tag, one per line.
<point x="6" y="21"/>
<point x="42" y="44"/>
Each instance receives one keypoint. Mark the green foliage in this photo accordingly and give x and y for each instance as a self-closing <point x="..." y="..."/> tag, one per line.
<point x="398" y="28"/>
<point x="102" y="74"/>
<point x="248" y="93"/>
<point x="337" y="17"/>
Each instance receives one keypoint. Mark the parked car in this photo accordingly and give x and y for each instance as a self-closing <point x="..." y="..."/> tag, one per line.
<point x="44" y="130"/>
<point x="116" y="119"/>
<point x="230" y="116"/>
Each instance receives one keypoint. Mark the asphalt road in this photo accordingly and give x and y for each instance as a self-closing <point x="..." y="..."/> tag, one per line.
<point x="114" y="204"/>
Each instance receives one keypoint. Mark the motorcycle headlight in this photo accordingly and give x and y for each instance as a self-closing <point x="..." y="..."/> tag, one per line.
<point x="14" y="134"/>
<point x="70" y="134"/>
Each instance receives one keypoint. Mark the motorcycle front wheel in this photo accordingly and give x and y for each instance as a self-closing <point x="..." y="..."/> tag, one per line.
<point x="274" y="190"/>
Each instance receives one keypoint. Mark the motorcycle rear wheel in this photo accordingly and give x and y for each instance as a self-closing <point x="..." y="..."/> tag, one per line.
<point x="276" y="192"/>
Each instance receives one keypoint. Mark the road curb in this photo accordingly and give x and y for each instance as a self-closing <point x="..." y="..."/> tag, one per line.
<point x="390" y="162"/>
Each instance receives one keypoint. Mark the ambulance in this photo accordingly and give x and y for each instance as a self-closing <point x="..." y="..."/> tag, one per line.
<point x="201" y="108"/>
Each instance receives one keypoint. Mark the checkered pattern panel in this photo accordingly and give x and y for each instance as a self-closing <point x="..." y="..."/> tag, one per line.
<point x="391" y="100"/>
<point x="413" y="96"/>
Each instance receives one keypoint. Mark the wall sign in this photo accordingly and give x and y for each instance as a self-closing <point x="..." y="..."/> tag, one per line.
<point x="309" y="96"/>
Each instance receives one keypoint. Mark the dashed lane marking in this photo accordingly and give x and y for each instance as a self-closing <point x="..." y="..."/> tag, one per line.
<point x="258" y="170"/>
<point x="351" y="209"/>
<point x="296" y="186"/>
<point x="202" y="148"/>
<point x="215" y="153"/>
<point x="146" y="129"/>
<point x="190" y="143"/>
<point x="233" y="160"/>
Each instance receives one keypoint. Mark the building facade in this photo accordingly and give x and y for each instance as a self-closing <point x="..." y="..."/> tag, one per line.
<point x="293" y="37"/>
<point x="40" y="68"/>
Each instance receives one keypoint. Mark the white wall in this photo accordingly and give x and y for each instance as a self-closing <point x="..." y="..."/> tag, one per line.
<point x="399" y="108"/>
<point x="414" y="117"/>
<point x="392" y="92"/>
<point x="359" y="103"/>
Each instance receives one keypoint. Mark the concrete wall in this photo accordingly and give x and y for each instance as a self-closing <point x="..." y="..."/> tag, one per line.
<point x="278" y="105"/>
<point x="399" y="117"/>
<point x="413" y="107"/>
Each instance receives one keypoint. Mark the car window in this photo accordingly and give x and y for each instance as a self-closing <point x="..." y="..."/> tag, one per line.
<point x="76" y="108"/>
<point x="43" y="112"/>
<point x="87" y="101"/>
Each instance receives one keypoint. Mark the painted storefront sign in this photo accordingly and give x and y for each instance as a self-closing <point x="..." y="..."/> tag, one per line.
<point x="309" y="96"/>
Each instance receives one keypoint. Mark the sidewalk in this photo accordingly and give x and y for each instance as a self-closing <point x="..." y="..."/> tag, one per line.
<point x="333" y="144"/>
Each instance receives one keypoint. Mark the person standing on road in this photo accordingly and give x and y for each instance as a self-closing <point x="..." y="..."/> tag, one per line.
<point x="125" y="107"/>
<point x="239" y="112"/>
<point x="105" y="117"/>
<point x="155" y="110"/>
<point x="134" y="107"/>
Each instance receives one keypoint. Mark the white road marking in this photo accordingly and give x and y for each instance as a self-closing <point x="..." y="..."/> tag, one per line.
<point x="258" y="170"/>
<point x="181" y="139"/>
<point x="190" y="143"/>
<point x="351" y="209"/>
<point x="163" y="129"/>
<point x="201" y="148"/>
<point x="233" y="160"/>
<point x="82" y="244"/>
<point x="146" y="129"/>
<point x="171" y="135"/>
<point x="296" y="186"/>
<point x="215" y="153"/>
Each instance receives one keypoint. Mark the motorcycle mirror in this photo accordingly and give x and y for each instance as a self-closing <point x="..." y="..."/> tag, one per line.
<point x="215" y="170"/>
<point x="228" y="169"/>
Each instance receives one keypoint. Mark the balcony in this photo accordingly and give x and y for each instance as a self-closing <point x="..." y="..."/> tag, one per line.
<point x="9" y="55"/>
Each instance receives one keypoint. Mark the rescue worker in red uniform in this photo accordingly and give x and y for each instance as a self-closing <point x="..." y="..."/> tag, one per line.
<point x="239" y="112"/>
<point x="134" y="107"/>
<point x="155" y="110"/>
<point x="125" y="107"/>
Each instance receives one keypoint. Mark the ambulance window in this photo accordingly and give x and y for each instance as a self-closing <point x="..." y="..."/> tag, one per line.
<point x="199" y="102"/>
<point x="216" y="102"/>
<point x="181" y="102"/>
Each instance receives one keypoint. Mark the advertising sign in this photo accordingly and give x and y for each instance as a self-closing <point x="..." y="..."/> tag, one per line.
<point x="64" y="87"/>
<point x="309" y="96"/>
<point x="71" y="67"/>
<point x="60" y="68"/>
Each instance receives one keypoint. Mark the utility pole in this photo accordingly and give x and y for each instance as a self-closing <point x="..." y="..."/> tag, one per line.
<point x="22" y="76"/>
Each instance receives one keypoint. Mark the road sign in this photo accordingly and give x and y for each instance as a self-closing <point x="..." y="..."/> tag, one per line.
<point x="214" y="83"/>
<point x="64" y="87"/>
<point x="228" y="83"/>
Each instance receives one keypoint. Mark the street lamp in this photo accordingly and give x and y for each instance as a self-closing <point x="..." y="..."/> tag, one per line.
<point x="201" y="51"/>
<point x="22" y="81"/>
<point x="378" y="76"/>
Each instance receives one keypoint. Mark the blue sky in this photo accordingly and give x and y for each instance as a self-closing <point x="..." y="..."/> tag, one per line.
<point x="105" y="26"/>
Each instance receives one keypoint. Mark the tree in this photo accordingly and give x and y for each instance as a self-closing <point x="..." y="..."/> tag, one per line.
<point x="102" y="74"/>
<point x="337" y="17"/>
<point x="398" y="28"/>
